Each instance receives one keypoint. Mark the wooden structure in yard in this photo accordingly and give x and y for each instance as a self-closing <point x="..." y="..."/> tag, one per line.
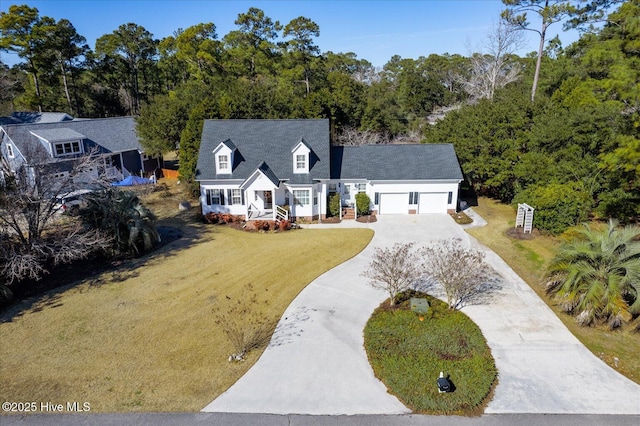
<point x="524" y="218"/>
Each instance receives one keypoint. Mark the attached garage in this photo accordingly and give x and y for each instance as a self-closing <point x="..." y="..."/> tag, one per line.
<point x="394" y="203"/>
<point x="432" y="202"/>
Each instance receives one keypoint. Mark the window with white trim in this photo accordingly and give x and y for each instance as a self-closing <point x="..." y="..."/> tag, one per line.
<point x="361" y="187"/>
<point x="214" y="196"/>
<point x="236" y="196"/>
<point x="301" y="162"/>
<point x="413" y="198"/>
<point x="10" y="150"/>
<point x="301" y="197"/>
<point x="67" y="148"/>
<point x="333" y="188"/>
<point x="315" y="197"/>
<point x="223" y="162"/>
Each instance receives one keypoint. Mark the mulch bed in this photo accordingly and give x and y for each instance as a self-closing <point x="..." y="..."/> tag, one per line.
<point x="518" y="233"/>
<point x="367" y="219"/>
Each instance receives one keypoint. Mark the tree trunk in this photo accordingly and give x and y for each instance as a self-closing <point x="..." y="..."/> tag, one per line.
<point x="536" y="74"/>
<point x="64" y="83"/>
<point x="36" y="83"/>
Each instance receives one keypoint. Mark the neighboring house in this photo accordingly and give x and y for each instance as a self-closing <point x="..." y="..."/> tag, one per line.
<point x="56" y="142"/>
<point x="254" y="167"/>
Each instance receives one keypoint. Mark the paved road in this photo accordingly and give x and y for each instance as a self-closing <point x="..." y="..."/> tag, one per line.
<point x="316" y="363"/>
<point x="233" y="419"/>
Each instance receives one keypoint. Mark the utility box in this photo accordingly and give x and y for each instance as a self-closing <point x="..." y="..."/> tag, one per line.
<point x="419" y="305"/>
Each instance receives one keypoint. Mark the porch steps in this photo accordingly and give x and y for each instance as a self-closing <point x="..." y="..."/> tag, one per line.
<point x="348" y="213"/>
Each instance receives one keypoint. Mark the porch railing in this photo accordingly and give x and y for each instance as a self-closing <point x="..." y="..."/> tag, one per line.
<point x="282" y="213"/>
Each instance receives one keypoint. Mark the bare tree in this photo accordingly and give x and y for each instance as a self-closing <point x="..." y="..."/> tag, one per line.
<point x="461" y="272"/>
<point x="498" y="66"/>
<point x="351" y="136"/>
<point x="394" y="269"/>
<point x="30" y="232"/>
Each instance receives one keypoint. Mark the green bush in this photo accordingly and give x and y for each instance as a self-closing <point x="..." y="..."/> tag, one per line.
<point x="408" y="354"/>
<point x="363" y="202"/>
<point x="558" y="206"/>
<point x="334" y="205"/>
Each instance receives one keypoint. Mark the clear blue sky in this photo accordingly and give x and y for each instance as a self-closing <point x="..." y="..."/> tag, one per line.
<point x="375" y="30"/>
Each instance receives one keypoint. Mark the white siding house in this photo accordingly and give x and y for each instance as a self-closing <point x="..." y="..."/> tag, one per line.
<point x="254" y="167"/>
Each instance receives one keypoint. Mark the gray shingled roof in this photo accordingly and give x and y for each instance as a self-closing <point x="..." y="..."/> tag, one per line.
<point x="27" y="117"/>
<point x="268" y="141"/>
<point x="61" y="134"/>
<point x="395" y="162"/>
<point x="110" y="134"/>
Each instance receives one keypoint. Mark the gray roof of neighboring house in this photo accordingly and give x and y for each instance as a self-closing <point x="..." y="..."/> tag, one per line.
<point x="30" y="117"/>
<point x="109" y="134"/>
<point x="395" y="162"/>
<point x="268" y="141"/>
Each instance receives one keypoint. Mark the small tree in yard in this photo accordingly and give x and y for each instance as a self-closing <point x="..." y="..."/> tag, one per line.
<point x="244" y="324"/>
<point x="462" y="273"/>
<point x="394" y="269"/>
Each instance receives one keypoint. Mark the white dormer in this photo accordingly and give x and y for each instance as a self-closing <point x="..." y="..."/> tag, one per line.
<point x="223" y="155"/>
<point x="301" y="157"/>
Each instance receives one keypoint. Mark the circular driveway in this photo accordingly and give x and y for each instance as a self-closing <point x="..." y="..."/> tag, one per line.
<point x="316" y="363"/>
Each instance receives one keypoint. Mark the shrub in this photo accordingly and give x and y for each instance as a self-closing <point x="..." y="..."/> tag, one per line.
<point x="244" y="323"/>
<point x="558" y="206"/>
<point x="284" y="225"/>
<point x="363" y="202"/>
<point x="334" y="205"/>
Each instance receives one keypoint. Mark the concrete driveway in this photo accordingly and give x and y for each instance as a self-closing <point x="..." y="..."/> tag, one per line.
<point x="316" y="363"/>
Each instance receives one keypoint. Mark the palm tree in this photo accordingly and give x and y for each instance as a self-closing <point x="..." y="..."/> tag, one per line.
<point x="122" y="214"/>
<point x="596" y="276"/>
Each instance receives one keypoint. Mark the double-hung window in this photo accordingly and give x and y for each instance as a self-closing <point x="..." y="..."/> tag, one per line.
<point x="301" y="197"/>
<point x="301" y="162"/>
<point x="236" y="196"/>
<point x="361" y="187"/>
<point x="215" y="196"/>
<point x="223" y="162"/>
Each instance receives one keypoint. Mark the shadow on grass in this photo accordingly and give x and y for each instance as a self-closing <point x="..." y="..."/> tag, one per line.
<point x="484" y="294"/>
<point x="177" y="234"/>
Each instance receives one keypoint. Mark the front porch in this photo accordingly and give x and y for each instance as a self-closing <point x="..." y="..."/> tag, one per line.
<point x="279" y="213"/>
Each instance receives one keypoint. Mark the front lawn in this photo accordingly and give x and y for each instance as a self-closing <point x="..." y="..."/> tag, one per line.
<point x="144" y="337"/>
<point x="529" y="259"/>
<point x="407" y="354"/>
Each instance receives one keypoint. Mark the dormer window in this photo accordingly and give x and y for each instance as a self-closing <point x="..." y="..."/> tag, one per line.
<point x="223" y="162"/>
<point x="223" y="155"/>
<point x="301" y="157"/>
<point x="67" y="148"/>
<point x="301" y="162"/>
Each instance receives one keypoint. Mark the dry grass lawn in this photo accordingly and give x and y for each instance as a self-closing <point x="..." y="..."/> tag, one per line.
<point x="529" y="258"/>
<point x="143" y="338"/>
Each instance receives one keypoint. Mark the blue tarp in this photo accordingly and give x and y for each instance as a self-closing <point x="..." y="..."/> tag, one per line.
<point x="133" y="180"/>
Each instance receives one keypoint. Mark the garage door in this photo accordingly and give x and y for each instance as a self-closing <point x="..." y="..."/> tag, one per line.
<point x="432" y="202"/>
<point x="394" y="203"/>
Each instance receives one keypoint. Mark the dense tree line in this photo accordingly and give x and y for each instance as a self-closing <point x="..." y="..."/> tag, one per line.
<point x="557" y="129"/>
<point x="574" y="153"/>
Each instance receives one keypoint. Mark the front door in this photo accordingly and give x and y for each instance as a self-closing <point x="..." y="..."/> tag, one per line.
<point x="268" y="203"/>
<point x="346" y="194"/>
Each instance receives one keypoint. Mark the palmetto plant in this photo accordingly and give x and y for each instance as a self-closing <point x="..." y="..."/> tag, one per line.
<point x="596" y="276"/>
<point x="122" y="214"/>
